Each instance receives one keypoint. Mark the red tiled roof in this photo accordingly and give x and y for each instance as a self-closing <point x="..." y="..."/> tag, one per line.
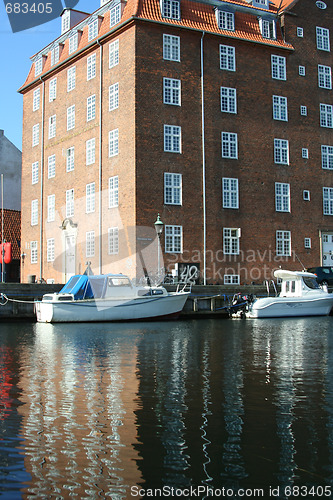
<point x="194" y="15"/>
<point x="11" y="230"/>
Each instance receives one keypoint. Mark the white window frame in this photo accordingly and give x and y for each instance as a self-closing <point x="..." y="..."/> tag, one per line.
<point x="73" y="43"/>
<point x="34" y="252"/>
<point x="113" y="191"/>
<point x="114" y="96"/>
<point x="278" y="64"/>
<point x="114" y="53"/>
<point x="55" y="54"/>
<point x="52" y="126"/>
<point x="90" y="151"/>
<point x="327" y="201"/>
<point x="230" y="193"/>
<point x="90" y="244"/>
<point x="52" y="89"/>
<point x="69" y="202"/>
<point x="34" y="172"/>
<point x="280" y="108"/>
<point x="113" y="143"/>
<point x="303" y="110"/>
<point x="91" y="67"/>
<point x="170" y="9"/>
<point x="299" y="32"/>
<point x="231" y="240"/>
<point x="227" y="58"/>
<point x="34" y="212"/>
<point x="267" y="28"/>
<point x="51" y="166"/>
<point x="282" y="197"/>
<point x="91" y="107"/>
<point x="92" y="30"/>
<point x="307" y="243"/>
<point x="326" y="115"/>
<point x="225" y="20"/>
<point x="228" y="100"/>
<point x="327" y="157"/>
<point x="36" y="100"/>
<point x="172" y="139"/>
<point x="281" y="151"/>
<point x="115" y="15"/>
<point x="39" y="66"/>
<point x="90" y="198"/>
<point x="323" y="39"/>
<point x="51" y="208"/>
<point x="229" y="142"/>
<point x="171" y="47"/>
<point x="70" y="159"/>
<point x="305" y="153"/>
<point x="71" y="117"/>
<point x="301" y="70"/>
<point x="172" y="91"/>
<point x="173" y="239"/>
<point x="113" y="240"/>
<point x="283" y="243"/>
<point x="71" y="78"/>
<point x="50" y="252"/>
<point x="324" y="77"/>
<point x="306" y="195"/>
<point x="35" y="135"/>
<point x="231" y="279"/>
<point x="172" y="188"/>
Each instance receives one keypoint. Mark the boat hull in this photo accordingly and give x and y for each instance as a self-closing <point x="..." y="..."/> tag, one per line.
<point x="285" y="307"/>
<point x="111" y="309"/>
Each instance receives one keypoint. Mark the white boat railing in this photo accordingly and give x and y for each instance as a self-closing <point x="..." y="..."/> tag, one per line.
<point x="268" y="284"/>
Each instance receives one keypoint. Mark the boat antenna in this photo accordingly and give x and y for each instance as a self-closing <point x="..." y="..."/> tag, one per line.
<point x="299" y="260"/>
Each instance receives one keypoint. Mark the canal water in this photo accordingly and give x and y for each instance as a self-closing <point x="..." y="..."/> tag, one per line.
<point x="185" y="409"/>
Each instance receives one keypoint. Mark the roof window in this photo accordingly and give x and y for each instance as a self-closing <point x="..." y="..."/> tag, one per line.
<point x="170" y="9"/>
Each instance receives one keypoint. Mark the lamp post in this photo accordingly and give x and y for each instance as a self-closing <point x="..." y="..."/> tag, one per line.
<point x="159" y="229"/>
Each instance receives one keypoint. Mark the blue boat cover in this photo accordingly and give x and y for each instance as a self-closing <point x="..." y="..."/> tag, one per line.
<point x="86" y="287"/>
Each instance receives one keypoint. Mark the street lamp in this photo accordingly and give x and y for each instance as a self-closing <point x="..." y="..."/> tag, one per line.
<point x="159" y="229"/>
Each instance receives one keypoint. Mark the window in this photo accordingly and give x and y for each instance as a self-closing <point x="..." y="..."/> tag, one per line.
<point x="114" y="53"/>
<point x="73" y="43"/>
<point x="305" y="153"/>
<point x="280" y="110"/>
<point x="71" y="117"/>
<point x="303" y="110"/>
<point x="228" y="100"/>
<point x="173" y="239"/>
<point x="301" y="70"/>
<point x="51" y="166"/>
<point x="327" y="157"/>
<point x="225" y="20"/>
<point x="91" y="108"/>
<point x="52" y="89"/>
<point x="113" y="191"/>
<point x="113" y="240"/>
<point x="35" y="135"/>
<point x="92" y="30"/>
<point x="328" y="201"/>
<point x="55" y="53"/>
<point x="229" y="145"/>
<point x="52" y="126"/>
<point x="324" y="77"/>
<point x="90" y="244"/>
<point x="307" y="242"/>
<point x="69" y="202"/>
<point x="33" y="252"/>
<point x="306" y="195"/>
<point x="323" y="39"/>
<point x="71" y="75"/>
<point x="50" y="250"/>
<point x="278" y="67"/>
<point x="267" y="28"/>
<point x="70" y="159"/>
<point x="227" y="58"/>
<point x="172" y="139"/>
<point x="172" y="189"/>
<point x="171" y="91"/>
<point x="171" y="48"/>
<point x="326" y="115"/>
<point x="282" y="197"/>
<point x="113" y="96"/>
<point x="299" y="32"/>
<point x="231" y="279"/>
<point x="91" y="67"/>
<point x="51" y="208"/>
<point x="231" y="237"/>
<point x="115" y="15"/>
<point x="171" y="9"/>
<point x="261" y="3"/>
<point x="39" y="66"/>
<point x="230" y="197"/>
<point x="281" y="151"/>
<point x="90" y="151"/>
<point x="34" y="212"/>
<point x="34" y="173"/>
<point x="283" y="243"/>
<point x="65" y="21"/>
<point x="90" y="198"/>
<point x="113" y="142"/>
<point x="36" y="100"/>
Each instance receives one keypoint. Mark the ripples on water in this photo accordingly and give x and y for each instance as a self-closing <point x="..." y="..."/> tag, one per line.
<point x="92" y="410"/>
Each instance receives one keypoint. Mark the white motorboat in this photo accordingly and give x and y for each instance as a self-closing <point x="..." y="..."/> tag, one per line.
<point x="300" y="296"/>
<point x="110" y="297"/>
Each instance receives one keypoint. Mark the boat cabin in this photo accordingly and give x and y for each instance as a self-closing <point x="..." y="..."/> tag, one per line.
<point x="296" y="283"/>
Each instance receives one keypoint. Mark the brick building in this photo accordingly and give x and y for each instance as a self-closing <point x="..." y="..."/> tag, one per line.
<point x="217" y="114"/>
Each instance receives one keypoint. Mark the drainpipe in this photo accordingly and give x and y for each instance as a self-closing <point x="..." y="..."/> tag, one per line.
<point x="203" y="156"/>
<point x="100" y="159"/>
<point x="41" y="184"/>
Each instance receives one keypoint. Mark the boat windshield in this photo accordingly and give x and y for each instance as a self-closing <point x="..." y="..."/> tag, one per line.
<point x="311" y="283"/>
<point x="118" y="281"/>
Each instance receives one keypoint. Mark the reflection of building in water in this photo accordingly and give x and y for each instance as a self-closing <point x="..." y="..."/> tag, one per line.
<point x="78" y="417"/>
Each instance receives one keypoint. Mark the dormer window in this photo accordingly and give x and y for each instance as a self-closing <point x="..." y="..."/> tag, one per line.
<point x="65" y="21"/>
<point x="73" y="43"/>
<point x="115" y="15"/>
<point x="170" y="9"/>
<point x="92" y="30"/>
<point x="267" y="28"/>
<point x="262" y="4"/>
<point x="225" y="20"/>
<point x="39" y="66"/>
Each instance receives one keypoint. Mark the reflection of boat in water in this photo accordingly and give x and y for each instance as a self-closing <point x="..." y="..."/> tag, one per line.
<point x="300" y="296"/>
<point x="110" y="297"/>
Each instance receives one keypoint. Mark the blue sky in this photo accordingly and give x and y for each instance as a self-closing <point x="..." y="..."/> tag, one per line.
<point x="17" y="48"/>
